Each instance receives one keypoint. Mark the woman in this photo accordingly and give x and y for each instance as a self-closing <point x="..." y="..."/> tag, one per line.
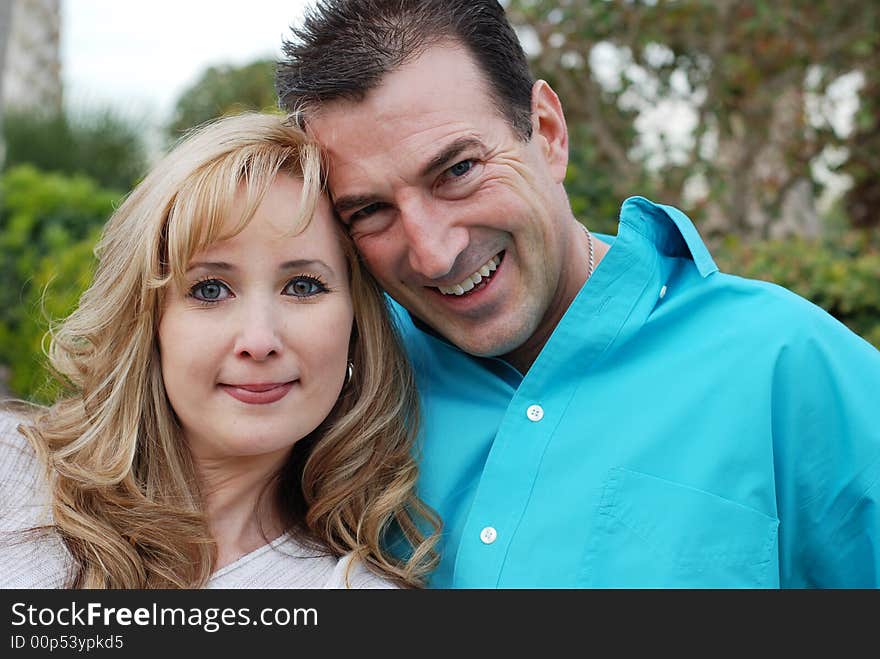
<point x="240" y="413"/>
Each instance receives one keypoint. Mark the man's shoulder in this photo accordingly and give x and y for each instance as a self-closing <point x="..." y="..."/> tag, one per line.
<point x="766" y="309"/>
<point x="758" y="291"/>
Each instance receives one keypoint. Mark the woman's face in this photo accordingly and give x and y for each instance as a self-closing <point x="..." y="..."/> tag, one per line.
<point x="254" y="347"/>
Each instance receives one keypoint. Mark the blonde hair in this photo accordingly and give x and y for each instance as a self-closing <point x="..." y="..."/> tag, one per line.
<point x="123" y="485"/>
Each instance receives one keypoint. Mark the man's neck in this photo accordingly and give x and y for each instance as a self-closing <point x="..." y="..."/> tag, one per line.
<point x="525" y="355"/>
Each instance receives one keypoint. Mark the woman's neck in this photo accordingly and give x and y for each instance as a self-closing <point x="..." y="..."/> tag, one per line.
<point x="240" y="504"/>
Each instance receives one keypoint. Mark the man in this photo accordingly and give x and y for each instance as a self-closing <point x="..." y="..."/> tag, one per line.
<point x="604" y="412"/>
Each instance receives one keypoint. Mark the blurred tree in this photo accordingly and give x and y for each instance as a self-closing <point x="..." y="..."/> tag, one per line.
<point x="99" y="144"/>
<point x="224" y="90"/>
<point x="863" y="145"/>
<point x="48" y="226"/>
<point x="749" y="71"/>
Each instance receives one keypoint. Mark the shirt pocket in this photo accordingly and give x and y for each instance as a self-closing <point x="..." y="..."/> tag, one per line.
<point x="653" y="533"/>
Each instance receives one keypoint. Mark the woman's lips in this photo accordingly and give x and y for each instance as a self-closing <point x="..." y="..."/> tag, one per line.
<point x="258" y="394"/>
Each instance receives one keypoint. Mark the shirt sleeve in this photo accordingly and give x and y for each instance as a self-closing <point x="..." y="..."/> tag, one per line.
<point x="826" y="427"/>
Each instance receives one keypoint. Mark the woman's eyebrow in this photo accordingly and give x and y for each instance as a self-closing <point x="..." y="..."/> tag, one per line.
<point x="294" y="264"/>
<point x="304" y="263"/>
<point x="210" y="265"/>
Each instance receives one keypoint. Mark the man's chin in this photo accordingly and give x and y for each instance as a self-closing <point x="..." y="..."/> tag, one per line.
<point x="483" y="335"/>
<point x="485" y="343"/>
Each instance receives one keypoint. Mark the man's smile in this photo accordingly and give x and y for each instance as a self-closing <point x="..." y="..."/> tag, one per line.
<point x="476" y="280"/>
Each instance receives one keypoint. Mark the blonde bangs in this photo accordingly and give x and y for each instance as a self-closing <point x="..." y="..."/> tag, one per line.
<point x="202" y="211"/>
<point x="237" y="178"/>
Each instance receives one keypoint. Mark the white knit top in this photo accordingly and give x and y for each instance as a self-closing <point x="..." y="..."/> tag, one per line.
<point x="43" y="561"/>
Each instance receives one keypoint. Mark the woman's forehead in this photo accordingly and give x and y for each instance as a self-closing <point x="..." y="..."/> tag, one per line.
<point x="276" y="228"/>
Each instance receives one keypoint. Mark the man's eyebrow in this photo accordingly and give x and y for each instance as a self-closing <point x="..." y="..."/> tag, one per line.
<point x="441" y="160"/>
<point x="449" y="153"/>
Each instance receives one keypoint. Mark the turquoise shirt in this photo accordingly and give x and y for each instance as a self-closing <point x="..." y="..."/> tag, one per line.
<point x="681" y="428"/>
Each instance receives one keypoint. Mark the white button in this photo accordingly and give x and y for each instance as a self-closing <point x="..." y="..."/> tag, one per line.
<point x="488" y="535"/>
<point x="535" y="412"/>
<point x="663" y="292"/>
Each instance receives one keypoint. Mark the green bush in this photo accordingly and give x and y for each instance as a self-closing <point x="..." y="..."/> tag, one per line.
<point x="841" y="275"/>
<point x="49" y="224"/>
<point x="54" y="293"/>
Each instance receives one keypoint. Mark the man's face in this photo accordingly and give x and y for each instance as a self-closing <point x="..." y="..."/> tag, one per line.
<point x="461" y="221"/>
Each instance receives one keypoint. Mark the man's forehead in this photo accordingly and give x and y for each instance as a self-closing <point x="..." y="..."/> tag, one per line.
<point x="438" y="84"/>
<point x="421" y="115"/>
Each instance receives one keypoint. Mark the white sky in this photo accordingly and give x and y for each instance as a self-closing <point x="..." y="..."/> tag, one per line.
<point x="139" y="56"/>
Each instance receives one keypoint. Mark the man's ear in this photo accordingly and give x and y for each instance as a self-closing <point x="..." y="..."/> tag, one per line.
<point x="549" y="129"/>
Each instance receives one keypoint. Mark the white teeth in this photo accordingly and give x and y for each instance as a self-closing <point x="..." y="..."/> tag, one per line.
<point x="472" y="280"/>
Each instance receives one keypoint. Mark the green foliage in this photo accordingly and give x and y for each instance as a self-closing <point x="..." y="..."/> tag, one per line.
<point x="59" y="281"/>
<point x="48" y="226"/>
<point x="842" y="277"/>
<point x="225" y="90"/>
<point x="101" y="145"/>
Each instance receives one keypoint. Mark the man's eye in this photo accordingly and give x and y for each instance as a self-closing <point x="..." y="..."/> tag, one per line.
<point x="211" y="290"/>
<point x="366" y="211"/>
<point x="304" y="286"/>
<point x="460" y="168"/>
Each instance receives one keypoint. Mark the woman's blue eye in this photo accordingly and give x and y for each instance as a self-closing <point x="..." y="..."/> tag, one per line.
<point x="211" y="290"/>
<point x="461" y="168"/>
<point x="304" y="287"/>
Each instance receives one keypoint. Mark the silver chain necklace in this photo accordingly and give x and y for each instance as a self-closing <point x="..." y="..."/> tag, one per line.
<point x="590" y="244"/>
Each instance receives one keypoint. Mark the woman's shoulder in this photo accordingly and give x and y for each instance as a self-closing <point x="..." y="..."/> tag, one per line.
<point x="10" y="418"/>
<point x="32" y="555"/>
<point x="19" y="466"/>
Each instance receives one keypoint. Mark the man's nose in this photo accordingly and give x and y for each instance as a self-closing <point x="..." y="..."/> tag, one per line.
<point x="258" y="333"/>
<point x="433" y="241"/>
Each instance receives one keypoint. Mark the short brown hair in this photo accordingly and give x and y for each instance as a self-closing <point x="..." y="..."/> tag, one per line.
<point x="344" y="48"/>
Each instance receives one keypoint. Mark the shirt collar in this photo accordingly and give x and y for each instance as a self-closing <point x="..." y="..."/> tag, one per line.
<point x="669" y="229"/>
